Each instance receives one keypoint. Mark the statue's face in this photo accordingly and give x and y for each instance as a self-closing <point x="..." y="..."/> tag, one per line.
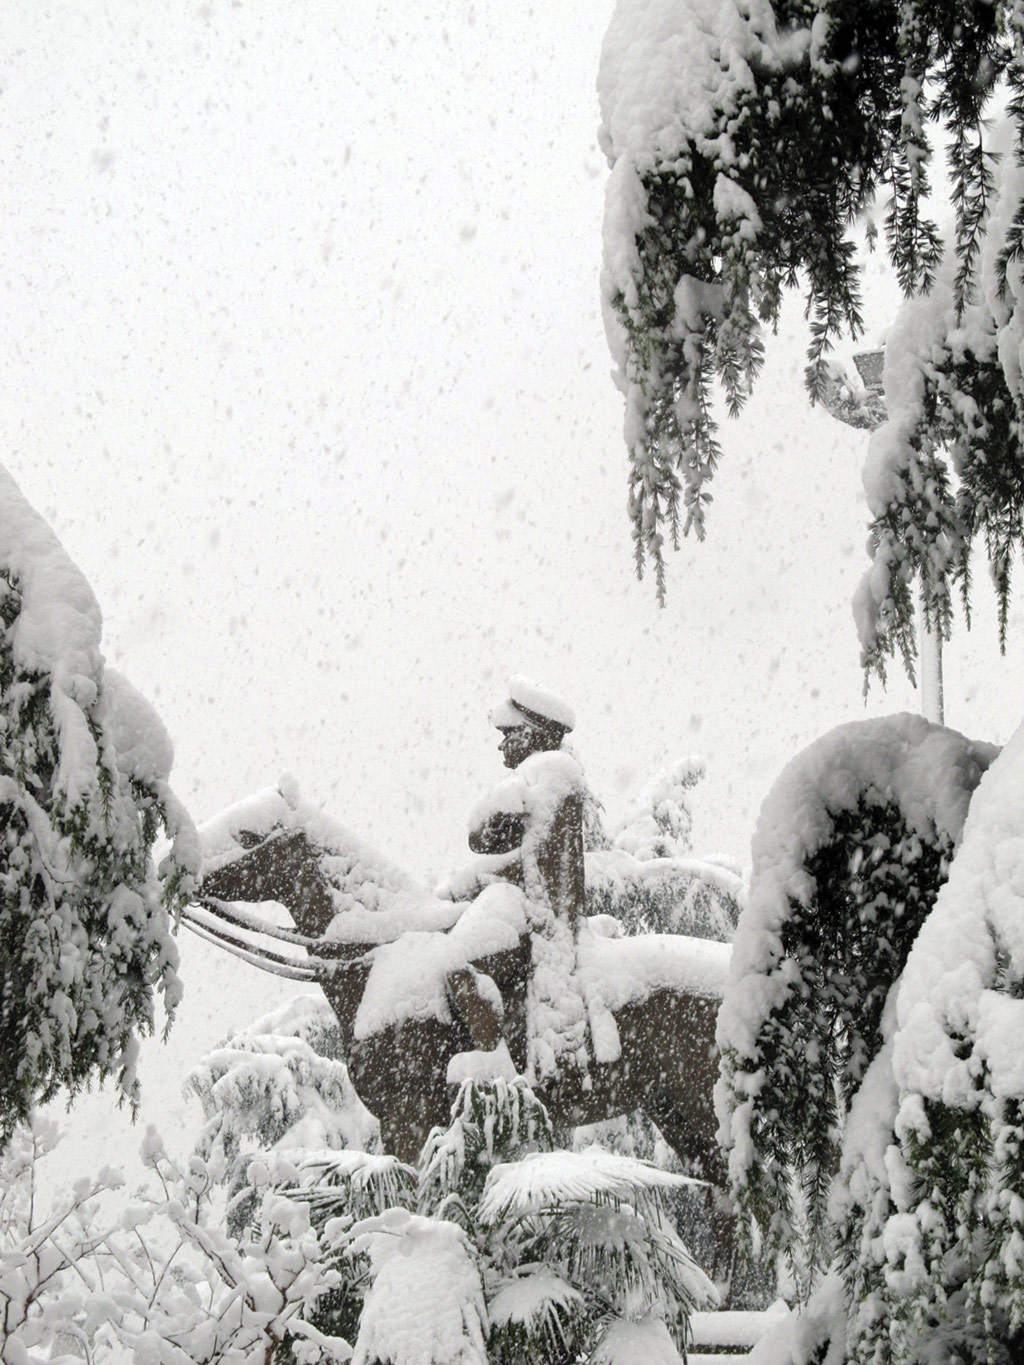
<point x="518" y="744"/>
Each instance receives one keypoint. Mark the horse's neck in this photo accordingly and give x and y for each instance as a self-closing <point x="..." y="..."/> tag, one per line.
<point x="284" y="868"/>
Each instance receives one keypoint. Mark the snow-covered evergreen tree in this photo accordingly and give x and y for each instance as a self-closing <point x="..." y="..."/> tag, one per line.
<point x="84" y="913"/>
<point x="746" y="141"/>
<point x="871" y="1029"/>
<point x="643" y="871"/>
<point x="659" y="823"/>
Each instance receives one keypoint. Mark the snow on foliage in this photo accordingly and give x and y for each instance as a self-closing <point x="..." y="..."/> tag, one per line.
<point x="952" y="371"/>
<point x="692" y="896"/>
<point x="426" y="1303"/>
<point x="161" y="1284"/>
<point x="553" y="1221"/>
<point x="544" y="1179"/>
<point x="643" y="872"/>
<point x="810" y="1335"/>
<point x="490" y="1121"/>
<point x="274" y="1087"/>
<point x="745" y="140"/>
<point x="538" y="1311"/>
<point x="919" y="1043"/>
<point x="659" y="823"/>
<point x="851" y="847"/>
<point x="84" y="914"/>
<point x="957" y="1183"/>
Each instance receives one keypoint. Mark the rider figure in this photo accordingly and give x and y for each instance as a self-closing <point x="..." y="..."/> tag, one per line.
<point x="532" y="721"/>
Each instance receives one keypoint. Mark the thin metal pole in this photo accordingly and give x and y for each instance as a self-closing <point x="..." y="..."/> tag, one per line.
<point x="929" y="643"/>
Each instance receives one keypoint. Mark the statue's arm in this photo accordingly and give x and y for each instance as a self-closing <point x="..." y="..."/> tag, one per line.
<point x="500" y="832"/>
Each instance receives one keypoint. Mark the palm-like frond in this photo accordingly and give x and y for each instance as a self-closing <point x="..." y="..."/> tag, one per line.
<point x="546" y="1179"/>
<point x="354" y="1185"/>
<point x="629" y="1262"/>
<point x="491" y="1122"/>
<point x="536" y="1316"/>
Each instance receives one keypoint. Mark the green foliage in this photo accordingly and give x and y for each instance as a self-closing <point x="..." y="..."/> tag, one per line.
<point x="564" y="1244"/>
<point x="790" y="122"/>
<point x="845" y="940"/>
<point x="84" y="933"/>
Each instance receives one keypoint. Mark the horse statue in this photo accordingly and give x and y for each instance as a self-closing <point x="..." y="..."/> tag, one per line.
<point x="514" y="977"/>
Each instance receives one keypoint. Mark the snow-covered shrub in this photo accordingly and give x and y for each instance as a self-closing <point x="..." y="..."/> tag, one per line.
<point x="492" y="1122"/>
<point x="160" y="1282"/>
<point x="504" y="1249"/>
<point x="643" y="871"/>
<point x="425" y="1303"/>
<point x="275" y="1087"/>
<point x="659" y="823"/>
<point x="84" y="914"/>
<point x="42" y="1251"/>
<point x="594" y="1223"/>
<point x="691" y="896"/>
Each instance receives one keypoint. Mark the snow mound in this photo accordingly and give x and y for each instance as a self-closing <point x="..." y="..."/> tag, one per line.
<point x="647" y="1340"/>
<point x="426" y="1303"/>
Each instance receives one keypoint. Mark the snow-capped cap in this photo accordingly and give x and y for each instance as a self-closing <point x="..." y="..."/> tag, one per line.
<point x="529" y="702"/>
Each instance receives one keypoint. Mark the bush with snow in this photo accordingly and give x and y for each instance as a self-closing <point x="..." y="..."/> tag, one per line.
<point x="276" y="1087"/>
<point x="84" y="914"/>
<point x="871" y="1029"/>
<point x="159" y="1282"/>
<point x="500" y="1248"/>
<point x="643" y="870"/>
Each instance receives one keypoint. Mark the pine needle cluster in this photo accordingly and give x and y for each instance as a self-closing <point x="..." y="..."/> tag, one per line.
<point x="789" y="124"/>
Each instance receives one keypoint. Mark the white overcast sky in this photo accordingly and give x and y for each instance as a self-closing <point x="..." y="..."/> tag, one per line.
<point x="302" y="358"/>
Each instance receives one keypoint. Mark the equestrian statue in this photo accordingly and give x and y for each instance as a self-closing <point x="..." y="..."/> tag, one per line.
<point x="504" y="974"/>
